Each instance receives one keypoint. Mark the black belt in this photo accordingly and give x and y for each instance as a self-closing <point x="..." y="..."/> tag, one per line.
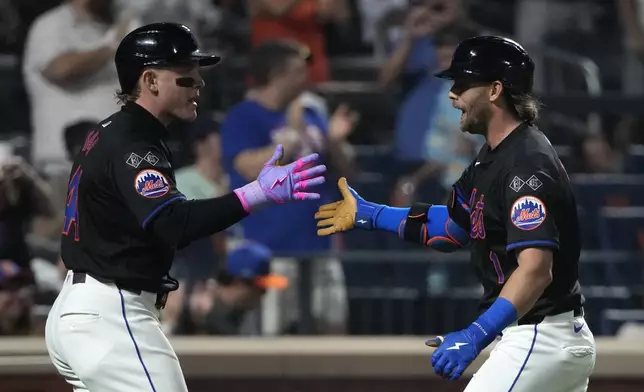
<point x="162" y="295"/>
<point x="530" y="320"/>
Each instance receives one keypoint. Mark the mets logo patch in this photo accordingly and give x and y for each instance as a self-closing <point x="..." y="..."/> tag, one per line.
<point x="528" y="213"/>
<point x="151" y="184"/>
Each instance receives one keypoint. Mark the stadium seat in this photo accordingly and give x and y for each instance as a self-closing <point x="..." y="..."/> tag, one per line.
<point x="594" y="191"/>
<point x="622" y="228"/>
<point x="589" y="234"/>
<point x="634" y="160"/>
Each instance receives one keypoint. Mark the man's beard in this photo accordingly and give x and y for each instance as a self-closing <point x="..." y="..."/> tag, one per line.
<point x="477" y="119"/>
<point x="103" y="10"/>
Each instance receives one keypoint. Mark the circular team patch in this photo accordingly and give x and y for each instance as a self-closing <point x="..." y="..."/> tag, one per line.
<point x="151" y="184"/>
<point x="528" y="213"/>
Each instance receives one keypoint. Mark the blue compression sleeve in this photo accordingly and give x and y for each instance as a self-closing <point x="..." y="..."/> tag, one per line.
<point x="390" y="218"/>
<point x="441" y="232"/>
<point x="491" y="323"/>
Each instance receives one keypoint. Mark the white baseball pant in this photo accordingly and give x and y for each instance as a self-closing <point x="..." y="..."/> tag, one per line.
<point x="103" y="339"/>
<point x="556" y="355"/>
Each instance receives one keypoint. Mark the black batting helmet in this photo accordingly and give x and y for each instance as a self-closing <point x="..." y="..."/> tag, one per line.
<point x="157" y="45"/>
<point x="490" y="58"/>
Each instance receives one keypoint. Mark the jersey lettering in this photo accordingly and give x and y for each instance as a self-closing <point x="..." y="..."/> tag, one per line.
<point x="90" y="142"/>
<point x="477" y="226"/>
<point x="71" y="207"/>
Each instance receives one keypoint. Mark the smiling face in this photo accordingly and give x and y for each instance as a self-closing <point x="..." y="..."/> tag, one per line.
<point x="474" y="100"/>
<point x="175" y="89"/>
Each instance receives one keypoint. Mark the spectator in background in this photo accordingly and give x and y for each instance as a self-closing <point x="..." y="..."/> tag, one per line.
<point x="204" y="178"/>
<point x="16" y="299"/>
<point x="299" y="20"/>
<point x="73" y="139"/>
<point x="69" y="70"/>
<point x="23" y="195"/>
<point x="220" y="306"/>
<point x="563" y="18"/>
<point x="202" y="16"/>
<point x="631" y="13"/>
<point x="447" y="150"/>
<point x="412" y="64"/>
<point x="631" y="16"/>
<point x="272" y="113"/>
<point x="16" y="17"/>
<point x="393" y="25"/>
<point x="373" y="14"/>
<point x="598" y="156"/>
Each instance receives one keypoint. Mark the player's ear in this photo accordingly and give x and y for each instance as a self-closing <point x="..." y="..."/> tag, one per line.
<point x="149" y="80"/>
<point x="496" y="90"/>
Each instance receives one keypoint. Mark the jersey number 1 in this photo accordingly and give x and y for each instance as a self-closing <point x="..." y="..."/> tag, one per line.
<point x="71" y="206"/>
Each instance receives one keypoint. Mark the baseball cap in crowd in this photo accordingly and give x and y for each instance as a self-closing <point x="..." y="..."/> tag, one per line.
<point x="252" y="261"/>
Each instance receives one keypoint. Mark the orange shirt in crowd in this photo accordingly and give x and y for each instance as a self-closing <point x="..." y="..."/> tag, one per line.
<point x="300" y="24"/>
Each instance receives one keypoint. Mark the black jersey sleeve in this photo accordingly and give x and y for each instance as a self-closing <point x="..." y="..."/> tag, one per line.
<point x="530" y="207"/>
<point x="145" y="179"/>
<point x="459" y="203"/>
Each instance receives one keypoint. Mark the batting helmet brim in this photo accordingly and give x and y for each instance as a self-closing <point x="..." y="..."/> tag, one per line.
<point x="205" y="59"/>
<point x="453" y="72"/>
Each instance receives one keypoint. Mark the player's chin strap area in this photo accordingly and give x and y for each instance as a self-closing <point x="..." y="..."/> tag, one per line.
<point x="431" y="226"/>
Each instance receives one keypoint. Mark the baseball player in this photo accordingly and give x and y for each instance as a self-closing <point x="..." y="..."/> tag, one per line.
<point x="124" y="218"/>
<point x="514" y="207"/>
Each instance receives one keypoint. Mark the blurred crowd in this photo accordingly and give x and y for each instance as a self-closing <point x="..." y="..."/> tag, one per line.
<point x="287" y="92"/>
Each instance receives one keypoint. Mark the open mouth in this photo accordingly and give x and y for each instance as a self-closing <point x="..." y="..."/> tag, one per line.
<point x="193" y="101"/>
<point x="462" y="115"/>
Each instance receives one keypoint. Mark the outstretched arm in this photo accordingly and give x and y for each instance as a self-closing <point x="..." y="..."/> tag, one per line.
<point x="151" y="195"/>
<point x="429" y="225"/>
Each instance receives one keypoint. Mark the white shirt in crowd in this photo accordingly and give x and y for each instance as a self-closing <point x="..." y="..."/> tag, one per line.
<point x="54" y="107"/>
<point x="196" y="14"/>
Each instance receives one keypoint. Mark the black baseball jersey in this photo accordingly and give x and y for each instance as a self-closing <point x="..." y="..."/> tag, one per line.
<point x="121" y="179"/>
<point x="518" y="196"/>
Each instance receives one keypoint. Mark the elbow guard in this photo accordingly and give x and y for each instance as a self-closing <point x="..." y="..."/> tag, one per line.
<point x="431" y="226"/>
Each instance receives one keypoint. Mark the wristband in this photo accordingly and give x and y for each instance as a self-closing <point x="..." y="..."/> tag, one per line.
<point x="491" y="323"/>
<point x="251" y="196"/>
<point x="366" y="214"/>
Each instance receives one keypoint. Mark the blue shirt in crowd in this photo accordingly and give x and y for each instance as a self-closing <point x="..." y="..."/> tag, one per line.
<point x="420" y="94"/>
<point x="444" y="141"/>
<point x="283" y="228"/>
